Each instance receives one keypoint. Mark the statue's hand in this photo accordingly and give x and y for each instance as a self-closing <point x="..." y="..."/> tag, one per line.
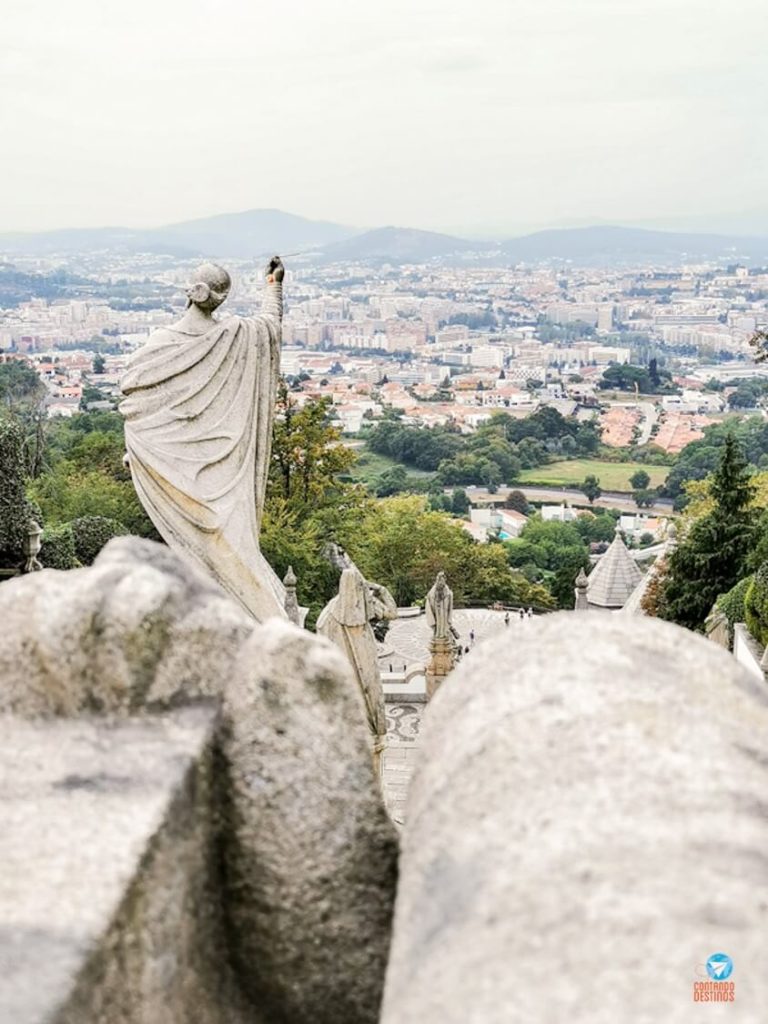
<point x="275" y="270"/>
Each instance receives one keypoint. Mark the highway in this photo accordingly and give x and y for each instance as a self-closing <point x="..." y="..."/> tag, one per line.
<point x="558" y="495"/>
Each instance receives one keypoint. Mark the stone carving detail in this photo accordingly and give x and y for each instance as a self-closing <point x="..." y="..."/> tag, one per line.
<point x="199" y="406"/>
<point x="346" y="620"/>
<point x="442" y="646"/>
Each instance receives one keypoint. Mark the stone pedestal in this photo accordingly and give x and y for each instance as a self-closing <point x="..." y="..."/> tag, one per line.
<point x="442" y="659"/>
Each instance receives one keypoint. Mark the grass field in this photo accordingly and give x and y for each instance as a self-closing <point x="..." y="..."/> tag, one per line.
<point x="613" y="476"/>
<point x="369" y="465"/>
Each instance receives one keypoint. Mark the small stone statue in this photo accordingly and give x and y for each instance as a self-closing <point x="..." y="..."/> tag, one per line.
<point x="199" y="407"/>
<point x="443" y="648"/>
<point x="439" y="609"/>
<point x="292" y="609"/>
<point x="383" y="609"/>
<point x="32" y="546"/>
<point x="346" y="621"/>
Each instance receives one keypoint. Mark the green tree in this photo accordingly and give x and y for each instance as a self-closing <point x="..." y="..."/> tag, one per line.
<point x="91" y="533"/>
<point x="562" y="586"/>
<point x="644" y="498"/>
<point x="460" y="503"/>
<point x="714" y="555"/>
<point x="591" y="488"/>
<point x="307" y="454"/>
<point x="518" y="502"/>
<point x="402" y="545"/>
<point x="640" y="480"/>
<point x="558" y="550"/>
<point x="99" y="363"/>
<point x="58" y="548"/>
<point x="391" y="481"/>
<point x="15" y="511"/>
<point x="596" y="529"/>
<point x="290" y="537"/>
<point x="20" y="386"/>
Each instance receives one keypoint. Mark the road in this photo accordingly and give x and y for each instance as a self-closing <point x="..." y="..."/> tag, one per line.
<point x="557" y="495"/>
<point x="639" y="554"/>
<point x="650" y="415"/>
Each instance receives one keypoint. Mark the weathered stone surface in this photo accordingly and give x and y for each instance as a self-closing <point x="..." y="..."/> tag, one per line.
<point x="109" y="874"/>
<point x="138" y="629"/>
<point x="310" y="853"/>
<point x="588" y="824"/>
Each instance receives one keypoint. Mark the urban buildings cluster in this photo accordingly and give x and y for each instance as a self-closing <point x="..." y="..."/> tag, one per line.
<point x="441" y="343"/>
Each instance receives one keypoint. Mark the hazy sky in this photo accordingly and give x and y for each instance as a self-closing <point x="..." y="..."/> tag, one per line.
<point x="481" y="114"/>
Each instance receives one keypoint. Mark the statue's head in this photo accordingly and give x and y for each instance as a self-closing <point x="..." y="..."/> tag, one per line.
<point x="209" y="287"/>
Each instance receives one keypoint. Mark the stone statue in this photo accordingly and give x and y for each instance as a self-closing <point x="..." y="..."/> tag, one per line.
<point x="440" y="610"/>
<point x="346" y="620"/>
<point x="199" y="406"/>
<point x="443" y="649"/>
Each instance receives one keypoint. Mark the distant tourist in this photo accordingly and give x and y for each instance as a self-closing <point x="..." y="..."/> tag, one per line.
<point x="522" y="613"/>
<point x="506" y="618"/>
<point x="471" y="638"/>
<point x="529" y="613"/>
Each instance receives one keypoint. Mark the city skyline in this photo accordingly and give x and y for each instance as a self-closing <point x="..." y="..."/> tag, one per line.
<point x="526" y="116"/>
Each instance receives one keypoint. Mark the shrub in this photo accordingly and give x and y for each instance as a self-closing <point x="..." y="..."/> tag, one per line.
<point x="91" y="533"/>
<point x="756" y="605"/>
<point x="15" y="512"/>
<point x="58" y="548"/>
<point x="732" y="603"/>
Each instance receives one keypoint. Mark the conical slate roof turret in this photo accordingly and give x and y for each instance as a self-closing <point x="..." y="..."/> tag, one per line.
<point x="614" y="577"/>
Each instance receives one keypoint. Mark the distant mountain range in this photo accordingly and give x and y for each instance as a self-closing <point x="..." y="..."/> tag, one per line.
<point x="246" y="235"/>
<point x="254" y="234"/>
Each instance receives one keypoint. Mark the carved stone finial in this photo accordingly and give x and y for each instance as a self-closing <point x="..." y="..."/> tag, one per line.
<point x="32" y="544"/>
<point x="581" y="591"/>
<point x="291" y="601"/>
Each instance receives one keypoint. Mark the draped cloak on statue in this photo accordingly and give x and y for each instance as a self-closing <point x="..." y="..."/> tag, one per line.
<point x="439" y="609"/>
<point x="198" y="411"/>
<point x="345" y="620"/>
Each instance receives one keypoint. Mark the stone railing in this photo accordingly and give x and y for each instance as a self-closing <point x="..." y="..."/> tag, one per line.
<point x="748" y="652"/>
<point x="192" y="830"/>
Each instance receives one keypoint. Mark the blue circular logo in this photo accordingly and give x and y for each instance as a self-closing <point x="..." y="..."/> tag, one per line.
<point x="719" y="966"/>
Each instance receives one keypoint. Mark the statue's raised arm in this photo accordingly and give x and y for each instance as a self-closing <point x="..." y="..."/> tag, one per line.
<point x="199" y="408"/>
<point x="273" y="296"/>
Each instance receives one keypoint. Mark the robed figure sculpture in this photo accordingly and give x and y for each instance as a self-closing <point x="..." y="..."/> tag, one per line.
<point x="439" y="609"/>
<point x="199" y="407"/>
<point x="346" y="620"/>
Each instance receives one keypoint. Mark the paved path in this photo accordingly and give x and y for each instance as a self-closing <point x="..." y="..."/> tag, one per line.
<point x="401" y="755"/>
<point x="407" y="643"/>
